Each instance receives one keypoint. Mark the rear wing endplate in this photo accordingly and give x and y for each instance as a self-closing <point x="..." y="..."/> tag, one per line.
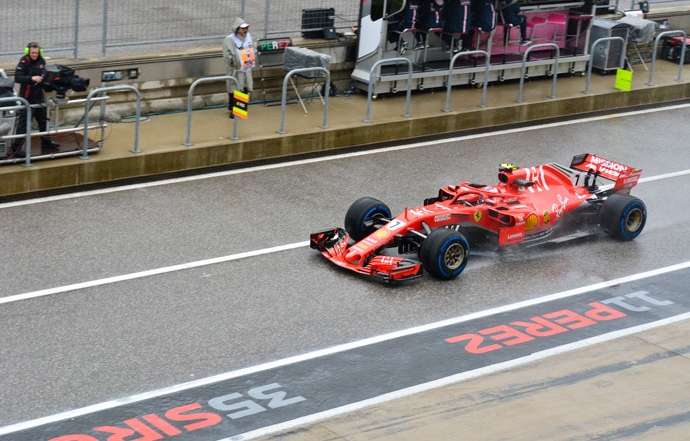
<point x="624" y="176"/>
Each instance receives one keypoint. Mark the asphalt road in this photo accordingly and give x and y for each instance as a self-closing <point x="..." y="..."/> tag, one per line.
<point x="109" y="294"/>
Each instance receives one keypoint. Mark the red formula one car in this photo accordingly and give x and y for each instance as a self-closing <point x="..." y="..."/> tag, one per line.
<point x="544" y="203"/>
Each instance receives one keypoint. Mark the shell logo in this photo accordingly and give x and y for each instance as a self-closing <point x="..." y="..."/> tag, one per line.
<point x="531" y="222"/>
<point x="382" y="233"/>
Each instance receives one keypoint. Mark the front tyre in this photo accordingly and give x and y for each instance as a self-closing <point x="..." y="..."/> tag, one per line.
<point x="623" y="216"/>
<point x="445" y="253"/>
<point x="365" y="216"/>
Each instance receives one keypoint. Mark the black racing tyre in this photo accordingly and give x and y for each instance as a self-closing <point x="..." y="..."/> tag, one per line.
<point x="623" y="216"/>
<point x="362" y="216"/>
<point x="445" y="253"/>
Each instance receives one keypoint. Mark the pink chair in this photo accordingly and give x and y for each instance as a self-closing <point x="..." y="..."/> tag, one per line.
<point x="538" y="30"/>
<point x="513" y="40"/>
<point x="498" y="40"/>
<point x="559" y="23"/>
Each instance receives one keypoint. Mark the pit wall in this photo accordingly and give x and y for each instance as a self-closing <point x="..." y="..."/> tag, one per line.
<point x="163" y="79"/>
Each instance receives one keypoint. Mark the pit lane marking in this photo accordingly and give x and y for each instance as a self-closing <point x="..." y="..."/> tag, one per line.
<point x="211" y="261"/>
<point x="339" y="157"/>
<point x="463" y="376"/>
<point x="151" y="272"/>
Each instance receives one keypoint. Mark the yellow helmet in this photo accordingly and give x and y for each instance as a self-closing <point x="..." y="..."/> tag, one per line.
<point x="507" y="167"/>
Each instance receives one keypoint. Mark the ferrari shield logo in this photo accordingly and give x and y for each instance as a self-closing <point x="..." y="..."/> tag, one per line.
<point x="477" y="216"/>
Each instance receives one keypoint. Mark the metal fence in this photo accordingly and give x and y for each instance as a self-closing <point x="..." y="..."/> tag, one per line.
<point x="83" y="29"/>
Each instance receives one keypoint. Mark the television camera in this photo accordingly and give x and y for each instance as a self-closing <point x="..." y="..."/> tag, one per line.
<point x="60" y="78"/>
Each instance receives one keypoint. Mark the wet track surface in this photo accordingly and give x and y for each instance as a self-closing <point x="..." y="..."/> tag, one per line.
<point x="125" y="331"/>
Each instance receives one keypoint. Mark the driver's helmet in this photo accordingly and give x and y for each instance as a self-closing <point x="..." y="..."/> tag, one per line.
<point x="504" y="170"/>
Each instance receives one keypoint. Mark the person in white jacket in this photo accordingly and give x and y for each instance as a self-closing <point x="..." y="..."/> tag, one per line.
<point x="238" y="52"/>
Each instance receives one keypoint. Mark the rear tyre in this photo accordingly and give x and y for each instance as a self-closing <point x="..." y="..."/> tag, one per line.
<point x="364" y="216"/>
<point x="445" y="253"/>
<point x="623" y="216"/>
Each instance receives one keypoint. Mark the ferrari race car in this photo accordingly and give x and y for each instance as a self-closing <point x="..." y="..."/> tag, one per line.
<point x="528" y="206"/>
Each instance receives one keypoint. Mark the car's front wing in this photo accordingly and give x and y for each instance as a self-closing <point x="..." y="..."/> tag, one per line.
<point x="333" y="245"/>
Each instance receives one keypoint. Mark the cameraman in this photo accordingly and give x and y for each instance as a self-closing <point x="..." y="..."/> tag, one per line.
<point x="29" y="74"/>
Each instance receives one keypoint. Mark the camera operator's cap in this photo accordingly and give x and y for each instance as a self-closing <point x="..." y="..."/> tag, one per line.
<point x="244" y="25"/>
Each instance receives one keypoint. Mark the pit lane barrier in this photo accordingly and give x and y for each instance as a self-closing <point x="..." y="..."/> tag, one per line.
<point x="682" y="54"/>
<point x="24" y="105"/>
<point x="449" y="84"/>
<point x="283" y="97"/>
<point x="102" y="91"/>
<point x="523" y="69"/>
<point x="190" y="97"/>
<point x="370" y="87"/>
<point x="621" y="62"/>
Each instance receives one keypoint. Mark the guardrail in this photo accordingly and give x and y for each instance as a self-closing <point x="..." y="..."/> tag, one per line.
<point x="449" y="84"/>
<point x="101" y="90"/>
<point x="523" y="68"/>
<point x="27" y="134"/>
<point x="25" y="106"/>
<point x="190" y="97"/>
<point x="283" y="97"/>
<point x="370" y="89"/>
<point x="621" y="62"/>
<point x="682" y="54"/>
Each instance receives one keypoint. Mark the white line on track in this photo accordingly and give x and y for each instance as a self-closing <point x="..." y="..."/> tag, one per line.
<point x="152" y="272"/>
<point x="206" y="262"/>
<point x="372" y="340"/>
<point x="338" y="157"/>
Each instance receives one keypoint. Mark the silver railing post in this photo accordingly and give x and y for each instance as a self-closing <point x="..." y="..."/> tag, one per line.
<point x="283" y="98"/>
<point x="190" y="97"/>
<point x="27" y="133"/>
<point x="85" y="144"/>
<point x="594" y="45"/>
<point x="682" y="54"/>
<point x="450" y="76"/>
<point x="523" y="69"/>
<point x="370" y="88"/>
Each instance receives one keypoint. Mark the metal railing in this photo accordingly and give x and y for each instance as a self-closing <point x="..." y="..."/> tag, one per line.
<point x="370" y="89"/>
<point x="449" y="83"/>
<point x="523" y="69"/>
<point x="682" y="54"/>
<point x="190" y="97"/>
<point x="283" y="96"/>
<point x="28" y="134"/>
<point x="101" y="91"/>
<point x="621" y="62"/>
<point x="26" y="107"/>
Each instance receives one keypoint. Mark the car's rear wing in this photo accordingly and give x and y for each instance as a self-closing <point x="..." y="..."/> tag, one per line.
<point x="624" y="176"/>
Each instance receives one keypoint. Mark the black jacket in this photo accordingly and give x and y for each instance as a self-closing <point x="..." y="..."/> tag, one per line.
<point x="26" y="69"/>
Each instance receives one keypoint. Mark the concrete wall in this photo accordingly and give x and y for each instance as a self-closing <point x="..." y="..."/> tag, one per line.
<point x="164" y="78"/>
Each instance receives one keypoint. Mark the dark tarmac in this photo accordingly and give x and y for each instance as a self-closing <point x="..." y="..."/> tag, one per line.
<point x="634" y="387"/>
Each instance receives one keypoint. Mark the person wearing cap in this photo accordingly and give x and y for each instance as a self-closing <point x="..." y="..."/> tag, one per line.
<point x="238" y="52"/>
